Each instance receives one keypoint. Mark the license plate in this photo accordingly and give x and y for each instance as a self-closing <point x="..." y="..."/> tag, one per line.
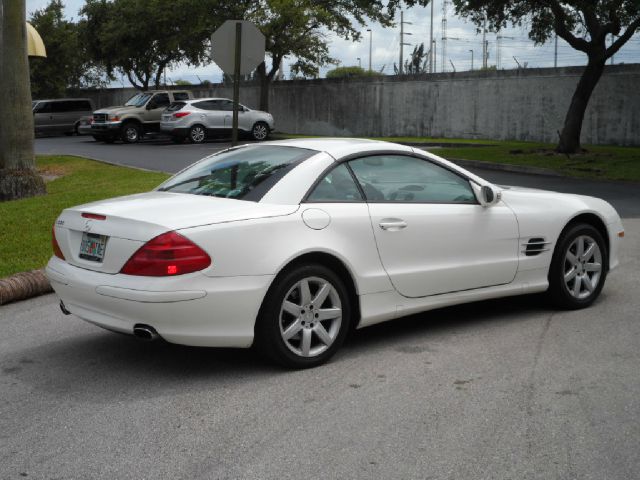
<point x="93" y="246"/>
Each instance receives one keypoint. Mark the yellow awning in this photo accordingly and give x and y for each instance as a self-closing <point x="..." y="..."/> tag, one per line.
<point x="35" y="44"/>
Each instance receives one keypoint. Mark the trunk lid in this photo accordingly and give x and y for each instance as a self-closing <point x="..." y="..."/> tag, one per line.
<point x="131" y="221"/>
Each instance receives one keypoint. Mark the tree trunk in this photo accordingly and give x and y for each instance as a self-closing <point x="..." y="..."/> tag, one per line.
<point x="18" y="176"/>
<point x="570" y="136"/>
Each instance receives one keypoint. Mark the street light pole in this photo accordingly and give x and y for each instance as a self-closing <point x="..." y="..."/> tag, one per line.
<point x="431" y="52"/>
<point x="359" y="62"/>
<point x="370" y="45"/>
<point x="471" y="60"/>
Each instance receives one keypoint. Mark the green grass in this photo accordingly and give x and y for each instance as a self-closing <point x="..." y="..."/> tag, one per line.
<point x="598" y="161"/>
<point x="25" y="225"/>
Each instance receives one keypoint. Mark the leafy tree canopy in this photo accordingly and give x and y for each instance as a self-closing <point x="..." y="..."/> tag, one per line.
<point x="351" y="72"/>
<point x="66" y="64"/>
<point x="585" y="25"/>
<point x="140" y="39"/>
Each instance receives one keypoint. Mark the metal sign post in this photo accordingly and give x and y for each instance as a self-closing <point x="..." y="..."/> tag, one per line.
<point x="238" y="48"/>
<point x="236" y="84"/>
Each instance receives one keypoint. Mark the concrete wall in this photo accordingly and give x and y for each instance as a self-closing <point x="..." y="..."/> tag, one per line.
<point x="510" y="105"/>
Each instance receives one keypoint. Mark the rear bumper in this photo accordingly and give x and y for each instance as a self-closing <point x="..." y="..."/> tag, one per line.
<point x="191" y="309"/>
<point x="170" y="129"/>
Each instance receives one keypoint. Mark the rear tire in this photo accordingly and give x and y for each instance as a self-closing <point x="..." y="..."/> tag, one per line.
<point x="131" y="132"/>
<point x="305" y="317"/>
<point x="197" y="134"/>
<point x="578" y="268"/>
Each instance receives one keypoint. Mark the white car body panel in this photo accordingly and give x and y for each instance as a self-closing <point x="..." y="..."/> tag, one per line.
<point x="458" y="247"/>
<point x="251" y="242"/>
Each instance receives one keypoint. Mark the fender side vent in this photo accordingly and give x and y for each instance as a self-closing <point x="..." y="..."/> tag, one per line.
<point x="535" y="246"/>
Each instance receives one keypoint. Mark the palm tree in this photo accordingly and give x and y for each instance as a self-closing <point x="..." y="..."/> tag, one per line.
<point x="18" y="175"/>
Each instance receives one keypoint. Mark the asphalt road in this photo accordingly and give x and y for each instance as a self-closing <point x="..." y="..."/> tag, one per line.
<point x="507" y="389"/>
<point x="164" y="156"/>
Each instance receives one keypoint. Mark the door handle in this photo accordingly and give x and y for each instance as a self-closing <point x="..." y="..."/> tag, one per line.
<point x="392" y="224"/>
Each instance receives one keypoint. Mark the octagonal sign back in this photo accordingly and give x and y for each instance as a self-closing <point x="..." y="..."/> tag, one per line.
<point x="223" y="47"/>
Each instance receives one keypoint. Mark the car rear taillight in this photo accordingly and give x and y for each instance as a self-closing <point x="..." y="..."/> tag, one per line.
<point x="93" y="216"/>
<point x="54" y="244"/>
<point x="167" y="255"/>
<point x="180" y="114"/>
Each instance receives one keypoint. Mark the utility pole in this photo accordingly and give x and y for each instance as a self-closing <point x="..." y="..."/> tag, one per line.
<point x="432" y="44"/>
<point x="359" y="62"/>
<point x="444" y="35"/>
<point x="484" y="42"/>
<point x="555" y="53"/>
<point x="499" y="47"/>
<point x="370" y="45"/>
<point x="402" y="42"/>
<point x="433" y="50"/>
<point x="471" y="60"/>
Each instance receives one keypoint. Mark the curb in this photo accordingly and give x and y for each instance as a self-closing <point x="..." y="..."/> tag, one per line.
<point x="24" y="285"/>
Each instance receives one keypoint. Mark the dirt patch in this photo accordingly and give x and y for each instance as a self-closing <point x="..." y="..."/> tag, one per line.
<point x="53" y="172"/>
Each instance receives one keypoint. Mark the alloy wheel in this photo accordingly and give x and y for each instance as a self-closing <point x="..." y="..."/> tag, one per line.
<point x="197" y="134"/>
<point x="260" y="131"/>
<point x="582" y="267"/>
<point x="310" y="317"/>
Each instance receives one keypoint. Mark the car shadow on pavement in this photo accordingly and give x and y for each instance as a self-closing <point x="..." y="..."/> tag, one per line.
<point x="102" y="366"/>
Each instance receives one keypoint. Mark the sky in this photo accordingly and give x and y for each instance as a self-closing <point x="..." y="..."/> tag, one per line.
<point x="462" y="39"/>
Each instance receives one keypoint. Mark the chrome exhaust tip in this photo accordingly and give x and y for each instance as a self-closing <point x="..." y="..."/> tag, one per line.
<point x="64" y="309"/>
<point x="145" y="332"/>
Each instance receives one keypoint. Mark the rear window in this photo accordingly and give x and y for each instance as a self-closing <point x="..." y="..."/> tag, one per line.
<point x="175" y="106"/>
<point x="181" y="96"/>
<point x="246" y="173"/>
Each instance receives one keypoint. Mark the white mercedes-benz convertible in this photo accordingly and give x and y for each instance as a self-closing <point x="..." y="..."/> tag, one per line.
<point x="290" y="244"/>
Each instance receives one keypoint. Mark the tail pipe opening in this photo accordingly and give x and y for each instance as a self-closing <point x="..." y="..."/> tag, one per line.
<point x="145" y="332"/>
<point x="64" y="309"/>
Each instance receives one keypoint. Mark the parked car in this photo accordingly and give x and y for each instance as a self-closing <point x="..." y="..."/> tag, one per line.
<point x="206" y="117"/>
<point x="84" y="125"/>
<point x="139" y="116"/>
<point x="290" y="244"/>
<point x="59" y="115"/>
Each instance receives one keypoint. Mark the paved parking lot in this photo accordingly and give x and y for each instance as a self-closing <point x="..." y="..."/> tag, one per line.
<point x="506" y="389"/>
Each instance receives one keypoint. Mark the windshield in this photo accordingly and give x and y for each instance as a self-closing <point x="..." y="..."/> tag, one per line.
<point x="245" y="173"/>
<point x="138" y="100"/>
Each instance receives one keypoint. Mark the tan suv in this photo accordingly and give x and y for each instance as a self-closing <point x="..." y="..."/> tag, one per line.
<point x="139" y="116"/>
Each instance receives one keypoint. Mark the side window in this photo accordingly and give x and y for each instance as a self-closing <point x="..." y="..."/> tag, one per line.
<point x="206" y="105"/>
<point x="226" y="105"/>
<point x="43" y="107"/>
<point x="404" y="179"/>
<point x="336" y="186"/>
<point x="61" y="106"/>
<point x="161" y="100"/>
<point x="181" y="96"/>
<point x="84" y="105"/>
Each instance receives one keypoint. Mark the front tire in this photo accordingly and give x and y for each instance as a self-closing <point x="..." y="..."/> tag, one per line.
<point x="579" y="267"/>
<point x="131" y="133"/>
<point x="260" y="131"/>
<point x="305" y="317"/>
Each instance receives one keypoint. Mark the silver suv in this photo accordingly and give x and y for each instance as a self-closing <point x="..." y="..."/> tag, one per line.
<point x="207" y="117"/>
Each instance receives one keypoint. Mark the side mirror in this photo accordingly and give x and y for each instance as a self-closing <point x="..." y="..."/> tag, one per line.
<point x="487" y="195"/>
